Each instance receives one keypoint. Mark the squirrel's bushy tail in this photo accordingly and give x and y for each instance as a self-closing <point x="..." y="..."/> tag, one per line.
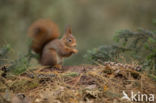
<point x="41" y="32"/>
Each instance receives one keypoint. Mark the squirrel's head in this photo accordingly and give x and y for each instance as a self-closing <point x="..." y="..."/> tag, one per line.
<point x="68" y="38"/>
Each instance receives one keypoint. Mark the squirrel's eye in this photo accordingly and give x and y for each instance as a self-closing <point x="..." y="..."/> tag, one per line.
<point x="69" y="40"/>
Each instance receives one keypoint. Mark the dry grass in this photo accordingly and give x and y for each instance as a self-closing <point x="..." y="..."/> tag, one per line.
<point x="76" y="84"/>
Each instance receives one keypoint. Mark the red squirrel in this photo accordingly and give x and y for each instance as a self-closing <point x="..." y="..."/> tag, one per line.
<point x="45" y="42"/>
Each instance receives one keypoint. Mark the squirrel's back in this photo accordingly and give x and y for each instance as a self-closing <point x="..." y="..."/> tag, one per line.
<point x="42" y="31"/>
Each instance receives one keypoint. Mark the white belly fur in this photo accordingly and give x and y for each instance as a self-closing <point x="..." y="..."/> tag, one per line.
<point x="59" y="59"/>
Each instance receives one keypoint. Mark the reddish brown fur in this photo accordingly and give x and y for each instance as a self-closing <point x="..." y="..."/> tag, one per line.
<point x="45" y="42"/>
<point x="41" y="32"/>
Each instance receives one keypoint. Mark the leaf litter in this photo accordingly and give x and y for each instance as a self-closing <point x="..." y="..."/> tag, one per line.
<point x="74" y="84"/>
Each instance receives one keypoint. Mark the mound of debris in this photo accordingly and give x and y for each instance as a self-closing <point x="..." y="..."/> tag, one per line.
<point x="78" y="84"/>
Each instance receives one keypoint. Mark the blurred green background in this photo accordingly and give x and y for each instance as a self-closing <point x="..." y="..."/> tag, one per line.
<point x="94" y="22"/>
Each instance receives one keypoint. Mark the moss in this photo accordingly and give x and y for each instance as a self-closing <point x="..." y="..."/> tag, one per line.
<point x="24" y="85"/>
<point x="71" y="74"/>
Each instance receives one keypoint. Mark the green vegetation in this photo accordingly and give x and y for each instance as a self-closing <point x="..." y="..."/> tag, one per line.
<point x="4" y="53"/>
<point x="105" y="53"/>
<point x="137" y="46"/>
<point x="16" y="66"/>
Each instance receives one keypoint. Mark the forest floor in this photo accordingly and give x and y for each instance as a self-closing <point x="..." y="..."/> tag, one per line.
<point x="76" y="84"/>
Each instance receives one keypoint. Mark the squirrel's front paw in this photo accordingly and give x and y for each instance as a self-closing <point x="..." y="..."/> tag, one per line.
<point x="75" y="51"/>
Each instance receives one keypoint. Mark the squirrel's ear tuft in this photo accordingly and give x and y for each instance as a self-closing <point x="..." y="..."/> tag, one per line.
<point x="68" y="29"/>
